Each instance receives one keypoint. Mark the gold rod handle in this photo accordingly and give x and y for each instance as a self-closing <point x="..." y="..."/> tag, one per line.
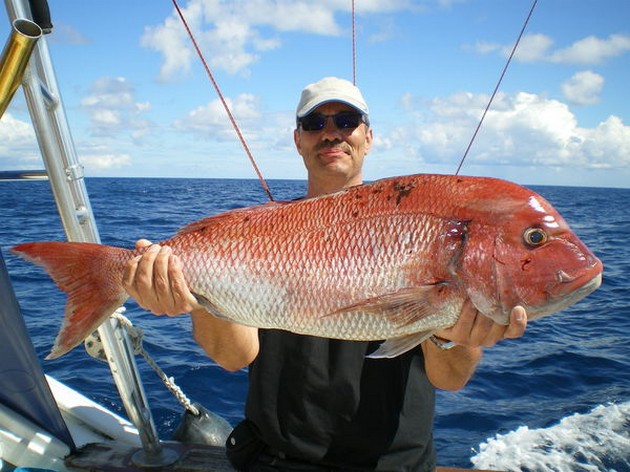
<point x="15" y="56"/>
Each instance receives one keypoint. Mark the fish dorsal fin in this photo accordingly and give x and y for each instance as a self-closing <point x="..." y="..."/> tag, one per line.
<point x="229" y="217"/>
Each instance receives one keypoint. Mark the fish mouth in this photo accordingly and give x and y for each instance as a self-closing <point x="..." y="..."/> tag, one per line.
<point x="558" y="303"/>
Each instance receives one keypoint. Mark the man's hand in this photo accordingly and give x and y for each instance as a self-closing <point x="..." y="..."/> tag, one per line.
<point x="476" y="330"/>
<point x="452" y="369"/>
<point x="156" y="281"/>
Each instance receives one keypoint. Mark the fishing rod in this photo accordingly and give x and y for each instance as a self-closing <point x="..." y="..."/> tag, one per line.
<point x="224" y="103"/>
<point x="354" y="45"/>
<point x="496" y="88"/>
<point x="225" y="106"/>
<point x="354" y="75"/>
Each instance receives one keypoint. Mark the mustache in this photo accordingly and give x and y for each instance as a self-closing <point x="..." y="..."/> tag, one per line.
<point x="336" y="143"/>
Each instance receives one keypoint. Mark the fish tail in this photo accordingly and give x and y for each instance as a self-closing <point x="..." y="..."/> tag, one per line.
<point x="90" y="274"/>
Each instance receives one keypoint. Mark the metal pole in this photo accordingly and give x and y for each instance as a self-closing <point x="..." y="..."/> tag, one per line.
<point x="67" y="181"/>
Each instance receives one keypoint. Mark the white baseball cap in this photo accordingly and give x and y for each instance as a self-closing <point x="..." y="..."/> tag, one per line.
<point x="330" y="89"/>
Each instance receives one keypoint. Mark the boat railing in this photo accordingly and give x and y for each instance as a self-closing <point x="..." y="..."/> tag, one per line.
<point x="66" y="177"/>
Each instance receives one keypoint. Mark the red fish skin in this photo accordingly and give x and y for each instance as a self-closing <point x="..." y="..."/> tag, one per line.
<point x="523" y="274"/>
<point x="391" y="259"/>
<point x="497" y="213"/>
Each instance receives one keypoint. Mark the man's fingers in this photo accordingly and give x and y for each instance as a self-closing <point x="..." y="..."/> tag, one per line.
<point x="142" y="243"/>
<point x="144" y="272"/>
<point x="156" y="281"/>
<point x="466" y="321"/>
<point x="474" y="329"/>
<point x="161" y="283"/>
<point x="516" y="328"/>
<point x="184" y="300"/>
<point x="518" y="323"/>
<point x="142" y="282"/>
<point x="129" y="276"/>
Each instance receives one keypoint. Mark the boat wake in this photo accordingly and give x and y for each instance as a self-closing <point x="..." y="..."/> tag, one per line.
<point x="595" y="441"/>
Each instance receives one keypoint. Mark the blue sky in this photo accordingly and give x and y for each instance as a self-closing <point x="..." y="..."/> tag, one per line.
<point x="139" y="102"/>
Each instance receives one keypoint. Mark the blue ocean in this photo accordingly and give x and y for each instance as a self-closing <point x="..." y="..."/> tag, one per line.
<point x="556" y="400"/>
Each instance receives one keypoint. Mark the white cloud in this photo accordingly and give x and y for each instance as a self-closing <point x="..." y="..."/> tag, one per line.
<point x="225" y="32"/>
<point x="105" y="118"/>
<point x="232" y="34"/>
<point x="170" y="40"/>
<point x="583" y="88"/>
<point x="19" y="150"/>
<point x="67" y="34"/>
<point x="539" y="48"/>
<point x="484" y="47"/>
<point x="116" y="123"/>
<point x="18" y="146"/>
<point x="211" y="120"/>
<point x="592" y="50"/>
<point x="520" y="130"/>
<point x="112" y="107"/>
<point x="95" y="163"/>
<point x="385" y="30"/>
<point x="607" y="145"/>
<point x="532" y="48"/>
<point x="14" y="131"/>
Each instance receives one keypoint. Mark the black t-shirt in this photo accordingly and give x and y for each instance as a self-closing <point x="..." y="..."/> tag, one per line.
<point x="322" y="400"/>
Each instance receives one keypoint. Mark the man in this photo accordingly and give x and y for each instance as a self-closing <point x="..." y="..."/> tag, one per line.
<point x="315" y="403"/>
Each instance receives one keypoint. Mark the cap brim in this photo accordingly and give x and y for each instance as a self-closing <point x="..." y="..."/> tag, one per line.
<point x="312" y="105"/>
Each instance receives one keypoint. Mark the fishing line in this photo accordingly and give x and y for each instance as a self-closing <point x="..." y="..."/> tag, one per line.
<point x="242" y="138"/>
<point x="225" y="106"/>
<point x="354" y="46"/>
<point x="483" y="116"/>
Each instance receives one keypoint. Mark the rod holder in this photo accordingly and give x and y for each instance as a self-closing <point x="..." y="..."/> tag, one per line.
<point x="15" y="55"/>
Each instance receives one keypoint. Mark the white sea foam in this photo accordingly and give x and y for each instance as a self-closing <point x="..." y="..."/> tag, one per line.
<point x="595" y="441"/>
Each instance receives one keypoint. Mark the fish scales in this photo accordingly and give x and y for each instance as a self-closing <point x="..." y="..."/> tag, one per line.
<point x="393" y="260"/>
<point x="318" y="243"/>
<point x="298" y="280"/>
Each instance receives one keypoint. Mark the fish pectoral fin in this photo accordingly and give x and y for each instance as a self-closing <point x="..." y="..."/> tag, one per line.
<point x="210" y="307"/>
<point x="403" y="307"/>
<point x="397" y="346"/>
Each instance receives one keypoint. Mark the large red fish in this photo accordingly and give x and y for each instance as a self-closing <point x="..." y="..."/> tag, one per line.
<point x="392" y="260"/>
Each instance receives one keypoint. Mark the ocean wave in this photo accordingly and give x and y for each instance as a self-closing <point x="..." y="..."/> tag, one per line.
<point x="595" y="441"/>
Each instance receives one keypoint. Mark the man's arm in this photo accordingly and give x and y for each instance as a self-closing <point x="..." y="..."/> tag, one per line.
<point x="156" y="281"/>
<point x="231" y="345"/>
<point x="452" y="369"/>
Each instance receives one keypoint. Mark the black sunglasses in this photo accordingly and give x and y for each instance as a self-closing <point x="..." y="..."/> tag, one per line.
<point x="342" y="120"/>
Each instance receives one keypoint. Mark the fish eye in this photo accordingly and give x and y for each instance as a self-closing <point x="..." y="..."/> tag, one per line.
<point x="535" y="237"/>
